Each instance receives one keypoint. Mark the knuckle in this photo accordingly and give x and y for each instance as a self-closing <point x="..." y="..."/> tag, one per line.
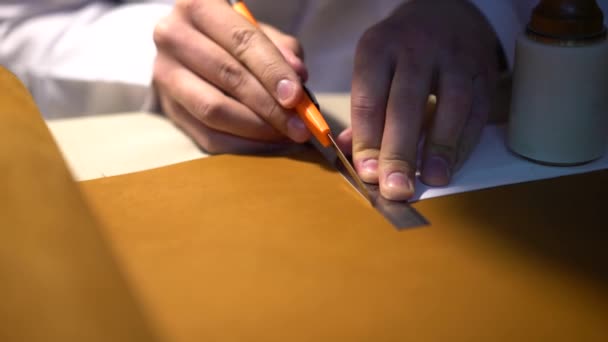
<point x="209" y="140"/>
<point x="365" y="108"/>
<point x="162" y="34"/>
<point x="214" y="112"/>
<point x="182" y="4"/>
<point x="398" y="161"/>
<point x="242" y="40"/>
<point x="421" y="36"/>
<point x="362" y="150"/>
<point x="232" y="76"/>
<point x="211" y="144"/>
<point x="187" y="6"/>
<point x="373" y="46"/>
<point x="446" y="149"/>
<point x="274" y="114"/>
<point x="272" y="70"/>
<point x="382" y="40"/>
<point x="371" y="39"/>
<point x="207" y="111"/>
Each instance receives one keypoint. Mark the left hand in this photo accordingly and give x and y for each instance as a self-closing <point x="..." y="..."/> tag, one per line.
<point x="442" y="47"/>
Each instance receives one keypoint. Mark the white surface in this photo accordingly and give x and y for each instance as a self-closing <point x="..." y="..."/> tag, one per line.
<point x="492" y="164"/>
<point x="108" y="145"/>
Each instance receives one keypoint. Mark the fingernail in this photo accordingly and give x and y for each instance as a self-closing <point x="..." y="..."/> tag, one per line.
<point x="370" y="165"/>
<point x="398" y="180"/>
<point x="436" y="171"/>
<point x="296" y="130"/>
<point x="398" y="186"/>
<point x="286" y="90"/>
<point x="368" y="170"/>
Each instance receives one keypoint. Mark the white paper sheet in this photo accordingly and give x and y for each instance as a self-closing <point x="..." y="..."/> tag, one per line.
<point x="492" y="164"/>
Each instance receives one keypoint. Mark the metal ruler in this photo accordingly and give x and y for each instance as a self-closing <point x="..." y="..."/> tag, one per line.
<point x="399" y="213"/>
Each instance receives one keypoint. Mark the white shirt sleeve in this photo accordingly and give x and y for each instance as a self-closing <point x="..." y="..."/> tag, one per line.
<point x="81" y="57"/>
<point x="509" y="19"/>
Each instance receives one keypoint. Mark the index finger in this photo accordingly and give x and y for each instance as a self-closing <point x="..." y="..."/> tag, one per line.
<point x="249" y="45"/>
<point x="370" y="89"/>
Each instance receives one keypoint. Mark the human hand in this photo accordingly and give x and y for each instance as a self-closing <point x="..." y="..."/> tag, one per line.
<point x="226" y="82"/>
<point x="442" y="47"/>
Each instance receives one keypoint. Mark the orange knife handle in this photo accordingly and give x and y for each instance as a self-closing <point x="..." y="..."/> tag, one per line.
<point x="310" y="114"/>
<point x="240" y="7"/>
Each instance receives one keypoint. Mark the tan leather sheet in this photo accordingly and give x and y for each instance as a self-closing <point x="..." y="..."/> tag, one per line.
<point x="58" y="280"/>
<point x="281" y="249"/>
<point x="235" y="248"/>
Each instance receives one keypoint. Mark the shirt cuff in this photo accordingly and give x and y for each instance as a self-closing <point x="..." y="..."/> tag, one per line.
<point x="506" y="23"/>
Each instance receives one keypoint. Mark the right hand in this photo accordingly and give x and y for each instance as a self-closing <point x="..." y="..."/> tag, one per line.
<point x="227" y="83"/>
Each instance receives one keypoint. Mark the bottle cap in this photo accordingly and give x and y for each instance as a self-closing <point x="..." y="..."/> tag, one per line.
<point x="560" y="21"/>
